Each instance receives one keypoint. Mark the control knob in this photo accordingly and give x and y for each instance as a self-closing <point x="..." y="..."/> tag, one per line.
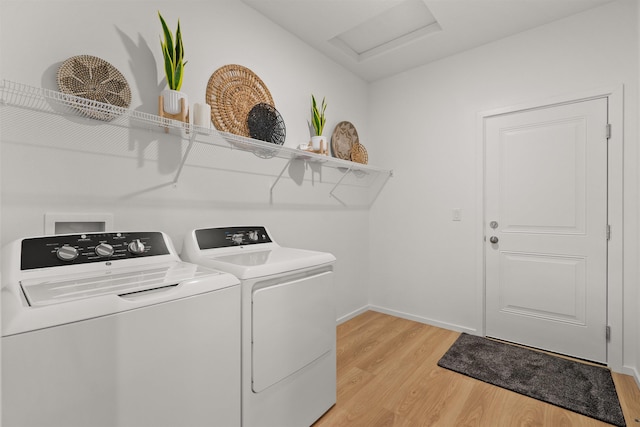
<point x="67" y="253"/>
<point x="136" y="247"/>
<point x="104" y="250"/>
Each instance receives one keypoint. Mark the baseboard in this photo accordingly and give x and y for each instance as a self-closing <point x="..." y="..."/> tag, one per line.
<point x="353" y="314"/>
<point x="632" y="372"/>
<point x="425" y="320"/>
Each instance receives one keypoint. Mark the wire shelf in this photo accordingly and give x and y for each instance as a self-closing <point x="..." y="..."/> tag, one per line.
<point x="50" y="101"/>
<point x="54" y="102"/>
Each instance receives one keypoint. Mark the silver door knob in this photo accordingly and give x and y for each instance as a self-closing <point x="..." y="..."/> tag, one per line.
<point x="493" y="239"/>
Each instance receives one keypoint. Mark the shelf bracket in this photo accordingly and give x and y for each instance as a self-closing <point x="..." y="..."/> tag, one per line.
<point x="279" y="176"/>
<point x="338" y="183"/>
<point x="192" y="139"/>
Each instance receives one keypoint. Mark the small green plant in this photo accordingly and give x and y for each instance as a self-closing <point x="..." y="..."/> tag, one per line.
<point x="317" y="115"/>
<point x="173" y="52"/>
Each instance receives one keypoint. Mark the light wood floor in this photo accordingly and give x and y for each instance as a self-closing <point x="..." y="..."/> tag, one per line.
<point x="388" y="376"/>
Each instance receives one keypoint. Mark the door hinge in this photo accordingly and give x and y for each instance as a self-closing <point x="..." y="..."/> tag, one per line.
<point x="608" y="333"/>
<point x="608" y="131"/>
<point x="608" y="232"/>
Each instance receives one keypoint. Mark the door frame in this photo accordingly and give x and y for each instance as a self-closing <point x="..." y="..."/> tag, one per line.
<point x="614" y="208"/>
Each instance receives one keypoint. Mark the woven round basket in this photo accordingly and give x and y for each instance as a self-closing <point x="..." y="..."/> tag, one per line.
<point x="232" y="91"/>
<point x="359" y="153"/>
<point x="94" y="78"/>
<point x="344" y="137"/>
<point x="266" y="124"/>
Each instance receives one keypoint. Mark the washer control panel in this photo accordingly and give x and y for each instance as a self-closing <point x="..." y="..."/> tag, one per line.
<point x="55" y="251"/>
<point x="224" y="237"/>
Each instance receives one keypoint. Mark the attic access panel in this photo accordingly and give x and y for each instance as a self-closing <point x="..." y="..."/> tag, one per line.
<point x="388" y="30"/>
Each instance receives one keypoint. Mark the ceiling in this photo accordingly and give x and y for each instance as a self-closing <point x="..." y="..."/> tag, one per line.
<point x="379" y="38"/>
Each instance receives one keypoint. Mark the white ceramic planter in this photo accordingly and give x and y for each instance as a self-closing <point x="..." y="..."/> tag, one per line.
<point x="318" y="142"/>
<point x="171" y="100"/>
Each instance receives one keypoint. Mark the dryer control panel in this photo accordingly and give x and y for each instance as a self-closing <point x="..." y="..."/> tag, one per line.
<point x="223" y="237"/>
<point x="55" y="251"/>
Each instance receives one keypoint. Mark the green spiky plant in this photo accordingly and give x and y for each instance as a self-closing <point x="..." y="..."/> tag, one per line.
<point x="317" y="115"/>
<point x="173" y="52"/>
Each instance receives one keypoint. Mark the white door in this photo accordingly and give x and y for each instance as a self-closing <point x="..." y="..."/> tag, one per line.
<point x="546" y="209"/>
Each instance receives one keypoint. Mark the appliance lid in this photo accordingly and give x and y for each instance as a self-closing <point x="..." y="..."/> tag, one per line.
<point x="64" y="300"/>
<point x="119" y="281"/>
<point x="253" y="264"/>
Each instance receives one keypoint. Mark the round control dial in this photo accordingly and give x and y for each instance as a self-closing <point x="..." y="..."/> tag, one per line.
<point x="104" y="250"/>
<point x="136" y="247"/>
<point x="67" y="253"/>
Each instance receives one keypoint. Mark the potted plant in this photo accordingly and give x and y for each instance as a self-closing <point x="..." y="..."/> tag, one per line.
<point x="318" y="141"/>
<point x="173" y="53"/>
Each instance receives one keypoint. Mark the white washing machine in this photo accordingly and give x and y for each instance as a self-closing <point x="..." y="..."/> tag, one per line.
<point x="288" y="323"/>
<point x="114" y="330"/>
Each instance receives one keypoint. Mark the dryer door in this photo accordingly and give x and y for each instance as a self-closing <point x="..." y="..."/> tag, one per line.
<point x="293" y="324"/>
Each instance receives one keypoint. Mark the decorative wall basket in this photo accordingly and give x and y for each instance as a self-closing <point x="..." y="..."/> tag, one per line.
<point x="359" y="154"/>
<point x="93" y="78"/>
<point x="266" y="124"/>
<point x="232" y="91"/>
<point x="343" y="139"/>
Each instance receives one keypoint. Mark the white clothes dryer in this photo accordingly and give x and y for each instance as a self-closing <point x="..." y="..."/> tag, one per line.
<point x="288" y="323"/>
<point x="115" y="330"/>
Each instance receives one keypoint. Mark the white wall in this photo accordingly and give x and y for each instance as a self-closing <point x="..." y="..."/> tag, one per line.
<point x="50" y="168"/>
<point x="423" y="264"/>
<point x="421" y="123"/>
